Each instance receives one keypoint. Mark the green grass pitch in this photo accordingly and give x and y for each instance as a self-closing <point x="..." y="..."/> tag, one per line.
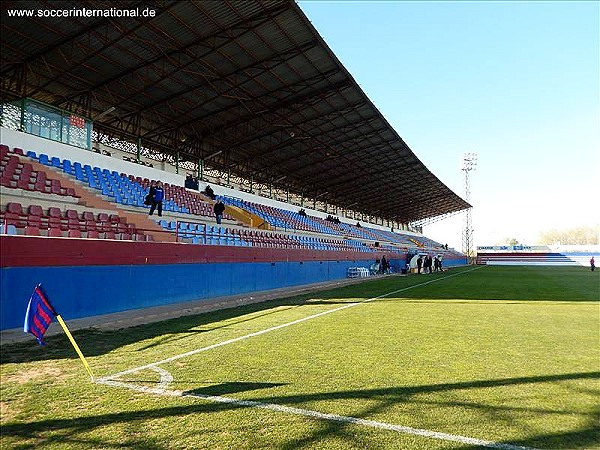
<point x="504" y="355"/>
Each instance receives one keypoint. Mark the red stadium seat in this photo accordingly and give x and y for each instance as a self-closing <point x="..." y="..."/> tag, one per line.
<point x="34" y="221"/>
<point x="25" y="184"/>
<point x="71" y="214"/>
<point x="36" y="210"/>
<point x="32" y="231"/>
<point x="74" y="234"/>
<point x="41" y="187"/>
<point x="54" y="232"/>
<point x="71" y="224"/>
<point x="53" y="211"/>
<point x="54" y="222"/>
<point x="103" y="226"/>
<point x="15" y="208"/>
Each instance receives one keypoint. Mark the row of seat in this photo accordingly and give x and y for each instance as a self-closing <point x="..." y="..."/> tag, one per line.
<point x="20" y="175"/>
<point x="131" y="190"/>
<point x="212" y="235"/>
<point x="128" y="190"/>
<point x="53" y="222"/>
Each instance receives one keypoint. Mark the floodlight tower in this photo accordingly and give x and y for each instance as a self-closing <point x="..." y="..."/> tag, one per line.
<point x="468" y="163"/>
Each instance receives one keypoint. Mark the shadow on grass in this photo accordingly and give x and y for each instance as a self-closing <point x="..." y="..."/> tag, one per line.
<point x="491" y="283"/>
<point x="95" y="342"/>
<point x="586" y="436"/>
<point x="68" y="430"/>
<point x="231" y="387"/>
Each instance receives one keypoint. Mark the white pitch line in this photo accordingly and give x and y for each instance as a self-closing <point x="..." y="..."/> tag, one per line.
<point x="166" y="378"/>
<point x="267" y="330"/>
<point x="317" y="415"/>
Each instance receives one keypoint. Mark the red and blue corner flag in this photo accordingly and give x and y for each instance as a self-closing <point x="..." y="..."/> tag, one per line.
<point x="38" y="317"/>
<point x="39" y="314"/>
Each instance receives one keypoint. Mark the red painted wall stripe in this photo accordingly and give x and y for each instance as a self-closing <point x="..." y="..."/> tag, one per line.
<point x="30" y="251"/>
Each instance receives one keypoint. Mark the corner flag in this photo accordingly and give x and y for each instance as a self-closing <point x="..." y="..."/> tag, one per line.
<point x="39" y="314"/>
<point x="38" y="317"/>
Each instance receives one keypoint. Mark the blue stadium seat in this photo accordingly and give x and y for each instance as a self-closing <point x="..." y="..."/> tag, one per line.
<point x="10" y="229"/>
<point x="44" y="159"/>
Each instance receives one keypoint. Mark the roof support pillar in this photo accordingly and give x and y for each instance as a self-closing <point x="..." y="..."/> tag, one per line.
<point x="139" y="149"/>
<point x="23" y="106"/>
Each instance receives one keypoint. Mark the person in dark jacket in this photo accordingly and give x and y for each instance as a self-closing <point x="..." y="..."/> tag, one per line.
<point x="385" y="266"/>
<point x="209" y="192"/>
<point x="157" y="198"/>
<point x="219" y="208"/>
<point x="150" y="197"/>
<point x="189" y="182"/>
<point x="427" y="264"/>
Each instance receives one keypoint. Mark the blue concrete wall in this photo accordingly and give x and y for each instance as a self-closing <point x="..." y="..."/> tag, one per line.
<point x="84" y="291"/>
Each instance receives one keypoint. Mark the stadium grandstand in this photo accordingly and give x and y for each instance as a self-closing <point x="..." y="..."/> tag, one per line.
<point x="243" y="96"/>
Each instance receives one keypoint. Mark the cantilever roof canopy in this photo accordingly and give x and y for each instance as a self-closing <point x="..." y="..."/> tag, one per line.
<point x="250" y="84"/>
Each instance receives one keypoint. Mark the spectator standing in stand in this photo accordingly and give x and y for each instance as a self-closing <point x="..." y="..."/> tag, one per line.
<point x="150" y="197"/>
<point x="189" y="181"/>
<point x="219" y="208"/>
<point x="157" y="198"/>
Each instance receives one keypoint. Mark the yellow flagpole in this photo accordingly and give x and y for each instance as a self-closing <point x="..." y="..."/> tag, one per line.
<point x="68" y="333"/>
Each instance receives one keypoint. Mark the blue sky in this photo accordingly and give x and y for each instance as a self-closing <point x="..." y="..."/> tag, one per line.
<point x="518" y="83"/>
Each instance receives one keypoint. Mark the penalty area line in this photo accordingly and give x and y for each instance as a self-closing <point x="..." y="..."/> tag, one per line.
<point x="277" y="327"/>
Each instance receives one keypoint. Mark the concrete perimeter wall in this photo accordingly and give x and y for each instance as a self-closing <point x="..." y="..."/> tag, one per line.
<point x="87" y="277"/>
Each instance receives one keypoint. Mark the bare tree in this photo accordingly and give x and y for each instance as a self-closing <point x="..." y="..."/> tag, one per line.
<point x="570" y="236"/>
